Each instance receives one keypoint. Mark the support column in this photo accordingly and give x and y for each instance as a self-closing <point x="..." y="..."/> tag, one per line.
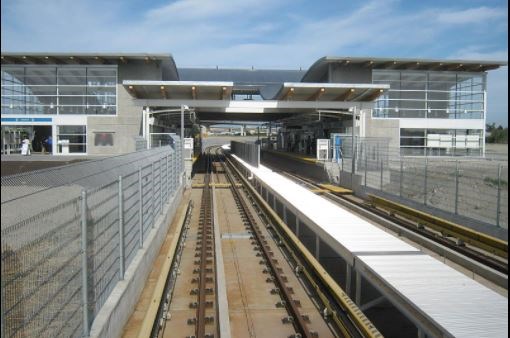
<point x="357" y="298"/>
<point x="317" y="247"/>
<point x="348" y="277"/>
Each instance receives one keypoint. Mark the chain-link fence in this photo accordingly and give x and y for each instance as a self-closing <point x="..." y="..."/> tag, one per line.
<point x="60" y="264"/>
<point x="475" y="188"/>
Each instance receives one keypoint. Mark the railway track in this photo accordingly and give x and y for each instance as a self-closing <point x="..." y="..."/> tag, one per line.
<point x="238" y="275"/>
<point x="487" y="259"/>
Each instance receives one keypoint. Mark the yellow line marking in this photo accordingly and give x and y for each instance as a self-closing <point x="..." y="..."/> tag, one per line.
<point x="473" y="237"/>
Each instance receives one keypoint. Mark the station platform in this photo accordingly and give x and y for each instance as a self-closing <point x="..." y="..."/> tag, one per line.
<point x="437" y="298"/>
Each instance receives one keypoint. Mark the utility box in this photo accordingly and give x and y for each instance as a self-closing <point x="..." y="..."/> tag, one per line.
<point x="64" y="146"/>
<point x="322" y="149"/>
<point x="188" y="148"/>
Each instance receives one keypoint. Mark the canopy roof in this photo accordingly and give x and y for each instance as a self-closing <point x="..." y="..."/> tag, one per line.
<point x="299" y="91"/>
<point x="288" y="91"/>
<point x="320" y="67"/>
<point x="51" y="58"/>
<point x="190" y="90"/>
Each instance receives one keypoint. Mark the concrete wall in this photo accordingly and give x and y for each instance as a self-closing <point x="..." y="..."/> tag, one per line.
<point x="389" y="128"/>
<point x="127" y="124"/>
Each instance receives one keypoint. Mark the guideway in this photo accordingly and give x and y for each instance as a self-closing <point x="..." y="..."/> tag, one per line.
<point x="234" y="273"/>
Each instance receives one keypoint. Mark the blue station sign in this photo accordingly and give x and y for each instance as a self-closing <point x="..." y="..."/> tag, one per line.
<point x="27" y="119"/>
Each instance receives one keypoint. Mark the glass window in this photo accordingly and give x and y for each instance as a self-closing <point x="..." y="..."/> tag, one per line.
<point x="432" y="94"/>
<point x="101" y="77"/>
<point x="38" y="76"/>
<point x="74" y="136"/>
<point x="35" y="89"/>
<point x="412" y="132"/>
<point x="72" y="77"/>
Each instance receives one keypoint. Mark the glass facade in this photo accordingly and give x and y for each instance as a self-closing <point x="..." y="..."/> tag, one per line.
<point x="440" y="142"/>
<point x="429" y="94"/>
<point x="39" y="89"/>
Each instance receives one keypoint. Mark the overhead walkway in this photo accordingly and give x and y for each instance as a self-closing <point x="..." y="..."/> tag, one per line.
<point x="436" y="298"/>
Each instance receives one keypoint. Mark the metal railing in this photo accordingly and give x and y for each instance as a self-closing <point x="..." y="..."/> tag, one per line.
<point x="475" y="188"/>
<point x="61" y="264"/>
<point x="248" y="151"/>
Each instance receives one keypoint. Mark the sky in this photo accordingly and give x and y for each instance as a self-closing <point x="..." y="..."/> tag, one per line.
<point x="288" y="34"/>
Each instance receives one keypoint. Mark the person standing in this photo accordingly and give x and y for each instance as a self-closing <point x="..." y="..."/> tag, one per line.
<point x="25" y="146"/>
<point x="48" y="144"/>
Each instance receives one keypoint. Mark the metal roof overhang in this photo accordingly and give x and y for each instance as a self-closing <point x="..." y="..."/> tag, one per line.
<point x="320" y="67"/>
<point x="179" y="90"/>
<point x="211" y="100"/>
<point x="198" y="91"/>
<point x="80" y="58"/>
<point x="299" y="91"/>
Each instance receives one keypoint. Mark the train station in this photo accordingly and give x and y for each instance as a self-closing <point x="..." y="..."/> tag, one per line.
<point x="363" y="205"/>
<point x="107" y="104"/>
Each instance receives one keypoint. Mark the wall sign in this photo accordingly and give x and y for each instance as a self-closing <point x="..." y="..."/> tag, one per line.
<point x="27" y="119"/>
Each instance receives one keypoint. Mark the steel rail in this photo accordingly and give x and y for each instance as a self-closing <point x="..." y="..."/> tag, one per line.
<point x="344" y="308"/>
<point x="204" y="246"/>
<point x="298" y="319"/>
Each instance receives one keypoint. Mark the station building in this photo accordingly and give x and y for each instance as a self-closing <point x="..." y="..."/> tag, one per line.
<point x="108" y="104"/>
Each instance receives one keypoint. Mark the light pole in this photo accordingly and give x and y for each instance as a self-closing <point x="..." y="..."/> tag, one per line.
<point x="353" y="157"/>
<point x="183" y="108"/>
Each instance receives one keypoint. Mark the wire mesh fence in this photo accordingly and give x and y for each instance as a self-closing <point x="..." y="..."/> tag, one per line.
<point x="475" y="188"/>
<point x="61" y="264"/>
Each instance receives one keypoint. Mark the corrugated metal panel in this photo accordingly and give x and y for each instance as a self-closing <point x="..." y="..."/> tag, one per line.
<point x="462" y="306"/>
<point x="351" y="231"/>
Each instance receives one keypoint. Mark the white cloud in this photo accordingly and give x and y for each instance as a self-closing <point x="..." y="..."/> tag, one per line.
<point x="471" y="15"/>
<point x="189" y="10"/>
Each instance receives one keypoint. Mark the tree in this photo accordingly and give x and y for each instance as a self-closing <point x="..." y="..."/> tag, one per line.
<point x="496" y="134"/>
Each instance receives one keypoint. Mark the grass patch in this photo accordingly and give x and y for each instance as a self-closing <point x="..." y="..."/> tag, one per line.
<point x="493" y="182"/>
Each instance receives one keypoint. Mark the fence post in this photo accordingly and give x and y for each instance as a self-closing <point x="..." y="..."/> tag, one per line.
<point x="382" y="168"/>
<point x="498" y="205"/>
<point x="84" y="265"/>
<point x="140" y="205"/>
<point x="167" y="190"/>
<point x="353" y="164"/>
<point x="153" y="199"/>
<point x="160" y="187"/>
<point x="457" y="187"/>
<point x="401" y="177"/>
<point x="2" y="309"/>
<point x="366" y="164"/>
<point x="121" y="229"/>
<point x="425" y="183"/>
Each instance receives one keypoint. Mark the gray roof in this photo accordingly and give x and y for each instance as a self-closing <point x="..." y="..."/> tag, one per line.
<point x="320" y="67"/>
<point x="265" y="81"/>
<point x="166" y="60"/>
<point x="240" y="76"/>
